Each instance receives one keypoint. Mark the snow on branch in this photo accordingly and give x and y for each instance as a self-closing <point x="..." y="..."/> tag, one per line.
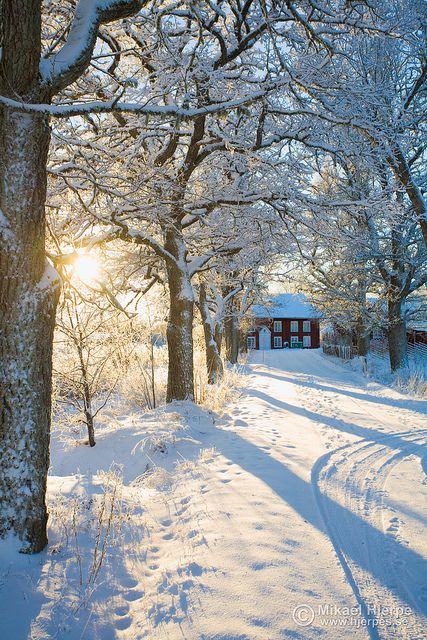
<point x="128" y="234"/>
<point x="64" y="67"/>
<point x="79" y="109"/>
<point x="197" y="264"/>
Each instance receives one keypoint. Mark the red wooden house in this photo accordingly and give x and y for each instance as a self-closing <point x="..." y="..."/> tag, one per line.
<point x="288" y="321"/>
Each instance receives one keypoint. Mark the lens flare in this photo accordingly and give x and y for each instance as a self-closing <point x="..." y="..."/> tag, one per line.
<point x="87" y="268"/>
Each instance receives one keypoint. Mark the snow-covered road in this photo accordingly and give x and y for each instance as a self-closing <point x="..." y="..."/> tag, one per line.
<point x="298" y="513"/>
<point x="313" y="514"/>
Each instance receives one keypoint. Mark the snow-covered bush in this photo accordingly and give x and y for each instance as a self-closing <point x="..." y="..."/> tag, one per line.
<point x="87" y="527"/>
<point x="99" y="352"/>
<point x="214" y="396"/>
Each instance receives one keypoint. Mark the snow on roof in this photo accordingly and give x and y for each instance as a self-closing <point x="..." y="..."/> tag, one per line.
<point x="286" y="305"/>
<point x="417" y="326"/>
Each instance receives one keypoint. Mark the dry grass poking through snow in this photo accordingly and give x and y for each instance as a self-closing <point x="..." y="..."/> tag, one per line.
<point x="114" y="506"/>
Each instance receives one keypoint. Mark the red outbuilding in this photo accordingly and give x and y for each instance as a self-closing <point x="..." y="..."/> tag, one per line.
<point x="287" y="321"/>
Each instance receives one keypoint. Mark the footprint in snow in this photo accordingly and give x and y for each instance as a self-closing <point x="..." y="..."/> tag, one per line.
<point x="168" y="536"/>
<point x="131" y="596"/>
<point x="123" y="624"/>
<point x="129" y="583"/>
<point x="166" y="523"/>
<point x="289" y="542"/>
<point x="122" y="610"/>
<point x="394" y="524"/>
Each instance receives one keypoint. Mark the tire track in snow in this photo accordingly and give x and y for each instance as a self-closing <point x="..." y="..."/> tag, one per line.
<point x="350" y="480"/>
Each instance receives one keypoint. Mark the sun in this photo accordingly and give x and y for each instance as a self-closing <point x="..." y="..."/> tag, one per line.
<point x="87" y="268"/>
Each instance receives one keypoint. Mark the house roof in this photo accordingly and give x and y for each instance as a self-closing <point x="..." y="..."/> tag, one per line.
<point x="417" y="326"/>
<point x="286" y="305"/>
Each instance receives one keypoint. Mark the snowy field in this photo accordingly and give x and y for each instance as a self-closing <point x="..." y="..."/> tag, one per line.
<point x="298" y="512"/>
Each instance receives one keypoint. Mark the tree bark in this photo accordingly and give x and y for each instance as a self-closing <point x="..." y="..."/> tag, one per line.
<point x="232" y="339"/>
<point x="28" y="287"/>
<point x="28" y="298"/>
<point x="362" y="338"/>
<point x="86" y="393"/>
<point x="363" y="344"/>
<point x="214" y="365"/>
<point x="180" y="322"/>
<point x="219" y="331"/>
<point x="397" y="342"/>
<point x="402" y="172"/>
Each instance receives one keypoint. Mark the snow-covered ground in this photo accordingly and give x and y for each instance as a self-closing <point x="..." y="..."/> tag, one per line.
<point x="298" y="512"/>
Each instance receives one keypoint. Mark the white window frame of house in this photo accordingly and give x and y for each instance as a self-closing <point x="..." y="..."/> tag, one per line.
<point x="277" y="342"/>
<point x="251" y="342"/>
<point x="277" y="326"/>
<point x="306" y="326"/>
<point x="294" y="339"/>
<point x="294" y="323"/>
<point x="306" y="341"/>
<point x="252" y="329"/>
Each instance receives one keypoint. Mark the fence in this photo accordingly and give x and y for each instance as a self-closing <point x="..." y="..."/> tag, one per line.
<point x="379" y="348"/>
<point x="417" y="352"/>
<point x="340" y="351"/>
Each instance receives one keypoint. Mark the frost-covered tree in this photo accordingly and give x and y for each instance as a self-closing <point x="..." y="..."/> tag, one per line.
<point x="374" y="89"/>
<point x="167" y="173"/>
<point x="39" y="60"/>
<point x="224" y="293"/>
<point x="185" y="64"/>
<point x="365" y="252"/>
<point x="175" y="182"/>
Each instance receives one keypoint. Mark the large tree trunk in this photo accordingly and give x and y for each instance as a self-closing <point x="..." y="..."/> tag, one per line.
<point x="214" y="365"/>
<point x="219" y="331"/>
<point x="231" y="326"/>
<point x="28" y="290"/>
<point x="28" y="297"/>
<point x="232" y="339"/>
<point x="180" y="322"/>
<point x="363" y="339"/>
<point x="397" y="342"/>
<point x="403" y="173"/>
<point x="363" y="344"/>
